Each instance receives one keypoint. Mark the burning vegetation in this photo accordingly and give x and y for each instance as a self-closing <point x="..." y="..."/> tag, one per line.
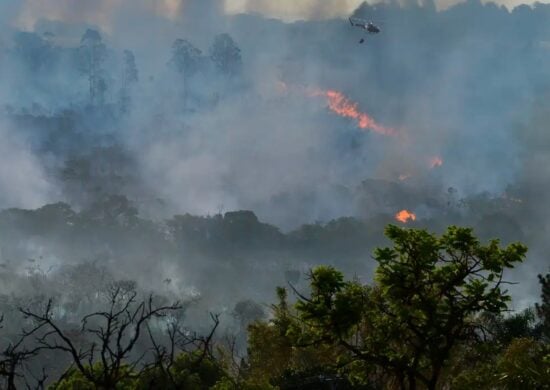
<point x="142" y="146"/>
<point x="341" y="105"/>
<point x="405" y="216"/>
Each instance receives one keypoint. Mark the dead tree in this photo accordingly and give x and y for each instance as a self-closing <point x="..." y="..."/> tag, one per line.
<point x="180" y="340"/>
<point x="108" y="357"/>
<point x="14" y="356"/>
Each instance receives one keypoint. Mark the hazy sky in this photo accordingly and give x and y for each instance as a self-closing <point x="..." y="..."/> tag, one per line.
<point x="305" y="9"/>
<point x="24" y="13"/>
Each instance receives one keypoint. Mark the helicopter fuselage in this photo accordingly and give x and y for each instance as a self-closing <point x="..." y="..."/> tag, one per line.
<point x="371" y="28"/>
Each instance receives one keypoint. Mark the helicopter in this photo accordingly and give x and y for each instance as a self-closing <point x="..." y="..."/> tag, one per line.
<point x="369" y="27"/>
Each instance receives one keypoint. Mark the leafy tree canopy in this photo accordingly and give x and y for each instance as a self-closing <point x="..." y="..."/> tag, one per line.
<point x="425" y="300"/>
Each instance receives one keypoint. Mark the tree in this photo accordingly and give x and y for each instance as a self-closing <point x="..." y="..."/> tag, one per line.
<point x="113" y="210"/>
<point x="185" y="60"/>
<point x="108" y="360"/>
<point x="247" y="312"/>
<point x="35" y="51"/>
<point x="226" y="55"/>
<point x="13" y="357"/>
<point x="276" y="357"/>
<point x="524" y="363"/>
<point x="187" y="361"/>
<point x="427" y="293"/>
<point x="503" y="356"/>
<point x="131" y="74"/>
<point x="129" y="78"/>
<point x="93" y="53"/>
<point x="543" y="308"/>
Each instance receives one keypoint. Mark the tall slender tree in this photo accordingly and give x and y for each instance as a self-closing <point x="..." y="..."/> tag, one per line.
<point x="92" y="55"/>
<point x="185" y="60"/>
<point x="226" y="55"/>
<point x="130" y="77"/>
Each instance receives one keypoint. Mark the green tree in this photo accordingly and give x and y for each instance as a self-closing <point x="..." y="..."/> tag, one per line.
<point x="524" y="363"/>
<point x="74" y="379"/>
<point x="92" y="55"/>
<point x="277" y="357"/>
<point x="189" y="370"/>
<point x="427" y="294"/>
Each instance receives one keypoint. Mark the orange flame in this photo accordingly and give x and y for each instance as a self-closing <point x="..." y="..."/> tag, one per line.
<point x="436" y="161"/>
<point x="404" y="176"/>
<point x="405" y="216"/>
<point x="341" y="105"/>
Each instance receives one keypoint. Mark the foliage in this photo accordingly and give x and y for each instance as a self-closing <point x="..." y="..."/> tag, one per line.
<point x="276" y="354"/>
<point x="191" y="371"/>
<point x="75" y="380"/>
<point x="523" y="364"/>
<point x="427" y="292"/>
<point x="434" y="317"/>
<point x="188" y="372"/>
<point x="91" y="57"/>
<point x="185" y="57"/>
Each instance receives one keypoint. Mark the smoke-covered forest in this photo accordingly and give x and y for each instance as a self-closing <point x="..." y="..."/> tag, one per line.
<point x="193" y="197"/>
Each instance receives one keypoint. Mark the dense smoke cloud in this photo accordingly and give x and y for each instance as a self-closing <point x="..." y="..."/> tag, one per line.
<point x="219" y="131"/>
<point x="106" y="13"/>
<point x="291" y="10"/>
<point x="23" y="180"/>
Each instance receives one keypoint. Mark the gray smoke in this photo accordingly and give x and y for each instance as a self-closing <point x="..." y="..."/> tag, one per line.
<point x="467" y="85"/>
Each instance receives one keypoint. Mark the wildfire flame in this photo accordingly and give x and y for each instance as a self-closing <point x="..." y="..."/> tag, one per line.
<point x="341" y="105"/>
<point x="404" y="176"/>
<point x="436" y="162"/>
<point x="405" y="216"/>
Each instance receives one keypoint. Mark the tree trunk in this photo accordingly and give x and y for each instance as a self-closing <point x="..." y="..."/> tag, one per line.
<point x="435" y="378"/>
<point x="412" y="382"/>
<point x="185" y="83"/>
<point x="11" y="378"/>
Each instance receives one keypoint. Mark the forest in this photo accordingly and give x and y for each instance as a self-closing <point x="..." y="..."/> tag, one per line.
<point x="437" y="315"/>
<point x="192" y="198"/>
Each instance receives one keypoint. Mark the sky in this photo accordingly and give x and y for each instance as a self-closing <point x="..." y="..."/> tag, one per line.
<point x="24" y="13"/>
<point x="307" y="9"/>
<point x="290" y="10"/>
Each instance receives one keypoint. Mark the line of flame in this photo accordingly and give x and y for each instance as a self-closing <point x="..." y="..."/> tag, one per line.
<point x="343" y="106"/>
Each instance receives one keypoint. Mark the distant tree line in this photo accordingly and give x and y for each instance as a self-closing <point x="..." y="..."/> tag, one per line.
<point x="103" y="69"/>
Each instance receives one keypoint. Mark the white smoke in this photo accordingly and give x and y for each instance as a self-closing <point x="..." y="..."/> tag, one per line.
<point x="23" y="181"/>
